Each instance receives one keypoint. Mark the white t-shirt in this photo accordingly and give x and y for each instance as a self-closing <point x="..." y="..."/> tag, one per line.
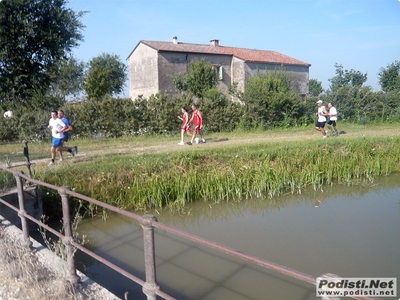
<point x="332" y="114"/>
<point x="321" y="117"/>
<point x="56" y="125"/>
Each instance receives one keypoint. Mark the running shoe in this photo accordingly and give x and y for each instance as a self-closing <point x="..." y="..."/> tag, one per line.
<point x="74" y="150"/>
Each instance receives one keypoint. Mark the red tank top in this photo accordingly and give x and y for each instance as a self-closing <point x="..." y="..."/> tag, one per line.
<point x="196" y="118"/>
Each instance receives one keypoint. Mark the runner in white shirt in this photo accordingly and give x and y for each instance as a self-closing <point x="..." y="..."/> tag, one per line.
<point x="322" y="114"/>
<point x="332" y="119"/>
<point x="57" y="128"/>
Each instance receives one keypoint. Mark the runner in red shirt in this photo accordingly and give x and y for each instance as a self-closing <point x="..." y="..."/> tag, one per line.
<point x="198" y="124"/>
<point x="185" y="125"/>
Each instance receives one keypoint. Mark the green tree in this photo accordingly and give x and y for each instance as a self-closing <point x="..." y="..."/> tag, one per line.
<point x="315" y="87"/>
<point x="348" y="93"/>
<point x="389" y="77"/>
<point x="68" y="78"/>
<point x="106" y="75"/>
<point x="269" y="100"/>
<point x="345" y="77"/>
<point x="34" y="36"/>
<point x="199" y="78"/>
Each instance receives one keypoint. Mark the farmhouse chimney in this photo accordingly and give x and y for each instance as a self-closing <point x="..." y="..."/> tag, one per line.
<point x="175" y="40"/>
<point x="214" y="43"/>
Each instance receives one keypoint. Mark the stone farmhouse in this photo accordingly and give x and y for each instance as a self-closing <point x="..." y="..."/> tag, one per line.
<point x="153" y="64"/>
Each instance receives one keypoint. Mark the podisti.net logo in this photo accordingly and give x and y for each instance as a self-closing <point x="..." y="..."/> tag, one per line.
<point x="352" y="286"/>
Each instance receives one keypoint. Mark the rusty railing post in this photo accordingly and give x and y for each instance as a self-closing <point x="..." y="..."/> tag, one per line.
<point x="150" y="288"/>
<point x="69" y="249"/>
<point x="22" y="211"/>
<point x="26" y="154"/>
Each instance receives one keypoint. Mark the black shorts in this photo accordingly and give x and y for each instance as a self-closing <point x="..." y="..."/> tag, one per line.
<point x="332" y="122"/>
<point x="65" y="138"/>
<point x="320" y="124"/>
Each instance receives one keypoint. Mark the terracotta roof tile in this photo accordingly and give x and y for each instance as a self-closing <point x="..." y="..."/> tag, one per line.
<point x="249" y="55"/>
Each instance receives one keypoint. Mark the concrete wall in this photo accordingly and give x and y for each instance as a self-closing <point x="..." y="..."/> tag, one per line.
<point x="239" y="73"/>
<point x="143" y="72"/>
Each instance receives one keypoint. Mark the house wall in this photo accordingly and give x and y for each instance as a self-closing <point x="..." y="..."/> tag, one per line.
<point x="171" y="64"/>
<point x="239" y="73"/>
<point x="299" y="74"/>
<point x="143" y="72"/>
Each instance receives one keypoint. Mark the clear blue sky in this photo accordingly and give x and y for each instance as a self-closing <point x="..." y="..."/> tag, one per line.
<point x="360" y="35"/>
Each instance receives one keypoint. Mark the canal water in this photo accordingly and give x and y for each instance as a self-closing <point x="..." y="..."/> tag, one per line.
<point x="351" y="231"/>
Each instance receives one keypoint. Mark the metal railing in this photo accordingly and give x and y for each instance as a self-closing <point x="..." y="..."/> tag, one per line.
<point x="148" y="222"/>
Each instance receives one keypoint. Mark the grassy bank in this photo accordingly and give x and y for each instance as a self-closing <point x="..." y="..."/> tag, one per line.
<point x="230" y="173"/>
<point x="222" y="171"/>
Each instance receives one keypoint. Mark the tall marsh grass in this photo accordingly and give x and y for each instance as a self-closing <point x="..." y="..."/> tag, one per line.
<point x="228" y="174"/>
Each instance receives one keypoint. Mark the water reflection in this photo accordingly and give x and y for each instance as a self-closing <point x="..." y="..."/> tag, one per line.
<point x="347" y="230"/>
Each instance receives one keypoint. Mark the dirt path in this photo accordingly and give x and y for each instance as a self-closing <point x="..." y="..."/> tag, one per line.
<point x="97" y="149"/>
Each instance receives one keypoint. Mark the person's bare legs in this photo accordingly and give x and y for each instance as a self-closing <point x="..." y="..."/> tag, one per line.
<point x="322" y="130"/>
<point x="193" y="136"/>
<point x="60" y="153"/>
<point x="202" y="136"/>
<point x="53" y="153"/>
<point x="72" y="150"/>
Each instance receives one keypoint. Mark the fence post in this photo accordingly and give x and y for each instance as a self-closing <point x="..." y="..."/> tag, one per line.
<point x="26" y="154"/>
<point x="150" y="288"/>
<point x="22" y="211"/>
<point x="69" y="249"/>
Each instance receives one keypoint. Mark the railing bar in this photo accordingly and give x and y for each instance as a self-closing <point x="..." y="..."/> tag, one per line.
<point x="9" y="205"/>
<point x="113" y="266"/>
<point x="20" y="165"/>
<point x="83" y="197"/>
<point x="108" y="263"/>
<point x="41" y="224"/>
<point x="105" y="205"/>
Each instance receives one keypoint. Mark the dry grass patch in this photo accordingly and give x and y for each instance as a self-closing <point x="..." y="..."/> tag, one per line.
<point x="23" y="276"/>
